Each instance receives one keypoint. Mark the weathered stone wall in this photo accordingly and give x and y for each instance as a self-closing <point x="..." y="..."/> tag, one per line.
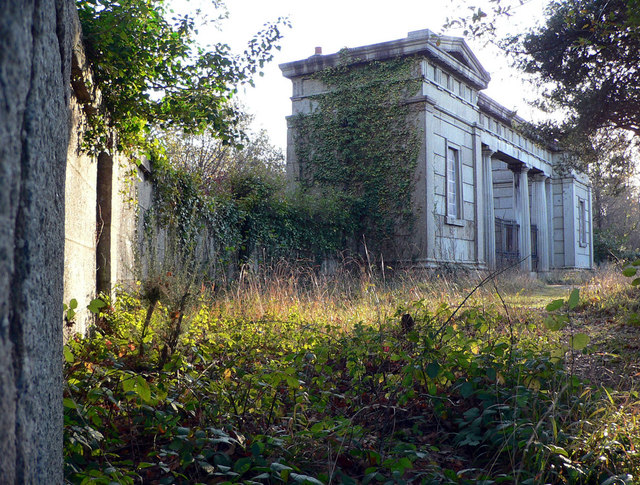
<point x="35" y="64"/>
<point x="80" y="195"/>
<point x="100" y="217"/>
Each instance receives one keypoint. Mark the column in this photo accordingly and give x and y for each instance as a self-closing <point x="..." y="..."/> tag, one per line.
<point x="523" y="214"/>
<point x="590" y="226"/>
<point x="489" y="213"/>
<point x="539" y="217"/>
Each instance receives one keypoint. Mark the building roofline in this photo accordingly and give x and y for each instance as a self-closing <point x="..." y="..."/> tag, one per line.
<point x="450" y="51"/>
<point x="490" y="106"/>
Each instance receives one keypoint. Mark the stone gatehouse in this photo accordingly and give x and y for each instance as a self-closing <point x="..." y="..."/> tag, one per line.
<point x="485" y="195"/>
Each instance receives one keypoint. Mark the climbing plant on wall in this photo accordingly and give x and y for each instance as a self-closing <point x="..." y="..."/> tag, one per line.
<point x="207" y="225"/>
<point x="359" y="146"/>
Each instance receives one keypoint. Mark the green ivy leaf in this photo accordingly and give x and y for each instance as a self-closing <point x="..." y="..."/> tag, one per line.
<point x="305" y="479"/>
<point x="553" y="323"/>
<point x="466" y="390"/>
<point x="128" y="383"/>
<point x="68" y="355"/>
<point x="242" y="466"/>
<point x="282" y="470"/>
<point x="630" y="271"/>
<point x="95" y="305"/>
<point x="143" y="389"/>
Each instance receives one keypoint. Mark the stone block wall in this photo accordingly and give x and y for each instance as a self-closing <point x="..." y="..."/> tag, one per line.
<point x="100" y="216"/>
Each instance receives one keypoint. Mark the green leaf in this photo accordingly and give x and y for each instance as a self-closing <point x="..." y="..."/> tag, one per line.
<point x="305" y="479"/>
<point x="574" y="298"/>
<point x="553" y="323"/>
<point x="635" y="282"/>
<point x="466" y="390"/>
<point x="282" y="470"/>
<point x="491" y="374"/>
<point x="95" y="305"/>
<point x="555" y="305"/>
<point x="557" y="450"/>
<point x="68" y="403"/>
<point x="559" y="353"/>
<point x="630" y="271"/>
<point x="128" y="383"/>
<point x="73" y="304"/>
<point x="433" y="369"/>
<point x="242" y="466"/>
<point x="580" y="341"/>
<point x="68" y="355"/>
<point x="143" y="389"/>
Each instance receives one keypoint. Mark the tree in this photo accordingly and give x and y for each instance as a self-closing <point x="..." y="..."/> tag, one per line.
<point x="151" y="71"/>
<point x="608" y="158"/>
<point x="589" y="54"/>
<point x="586" y="56"/>
<point x="213" y="159"/>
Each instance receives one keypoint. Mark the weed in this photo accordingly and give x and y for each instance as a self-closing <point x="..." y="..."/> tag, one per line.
<point x="299" y="377"/>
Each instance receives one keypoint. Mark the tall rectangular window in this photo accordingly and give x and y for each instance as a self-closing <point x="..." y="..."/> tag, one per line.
<point x="582" y="222"/>
<point x="454" y="186"/>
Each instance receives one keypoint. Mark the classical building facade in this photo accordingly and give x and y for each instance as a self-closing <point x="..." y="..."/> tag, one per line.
<point x="485" y="195"/>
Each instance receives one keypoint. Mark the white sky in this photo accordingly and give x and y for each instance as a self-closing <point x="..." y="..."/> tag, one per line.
<point x="334" y="24"/>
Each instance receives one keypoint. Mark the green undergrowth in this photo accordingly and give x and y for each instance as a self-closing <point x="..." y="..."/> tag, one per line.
<point x="445" y="396"/>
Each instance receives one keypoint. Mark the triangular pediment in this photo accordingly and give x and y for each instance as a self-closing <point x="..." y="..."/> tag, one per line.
<point x="457" y="48"/>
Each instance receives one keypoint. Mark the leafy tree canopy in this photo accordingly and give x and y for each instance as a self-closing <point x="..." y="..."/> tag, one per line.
<point x="151" y="71"/>
<point x="589" y="53"/>
<point x="586" y="55"/>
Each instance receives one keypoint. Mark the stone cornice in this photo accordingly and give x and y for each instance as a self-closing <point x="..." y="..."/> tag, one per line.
<point x="452" y="52"/>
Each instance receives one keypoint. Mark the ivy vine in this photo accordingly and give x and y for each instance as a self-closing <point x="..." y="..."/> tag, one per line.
<point x="360" y="145"/>
<point x="247" y="215"/>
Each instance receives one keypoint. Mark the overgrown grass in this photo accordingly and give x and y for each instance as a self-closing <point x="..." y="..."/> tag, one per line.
<point x="291" y="377"/>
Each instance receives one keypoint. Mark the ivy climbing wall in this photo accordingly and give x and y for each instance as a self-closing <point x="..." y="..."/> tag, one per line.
<point x="357" y="136"/>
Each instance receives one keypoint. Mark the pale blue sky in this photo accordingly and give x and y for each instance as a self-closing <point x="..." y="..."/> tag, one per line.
<point x="334" y="24"/>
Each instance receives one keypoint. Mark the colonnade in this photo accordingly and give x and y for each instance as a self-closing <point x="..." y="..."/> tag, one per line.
<point x="537" y="210"/>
